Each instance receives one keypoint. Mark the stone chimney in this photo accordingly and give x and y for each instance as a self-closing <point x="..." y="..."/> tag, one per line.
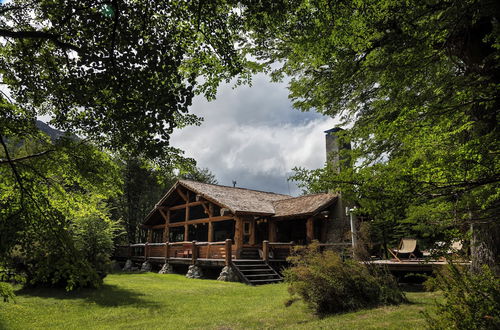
<point x="339" y="226"/>
<point x="333" y="148"/>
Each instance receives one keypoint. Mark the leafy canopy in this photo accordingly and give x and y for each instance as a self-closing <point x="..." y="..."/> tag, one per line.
<point x="122" y="73"/>
<point x="416" y="83"/>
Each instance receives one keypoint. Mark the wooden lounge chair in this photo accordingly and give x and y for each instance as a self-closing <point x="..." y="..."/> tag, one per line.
<point x="406" y="246"/>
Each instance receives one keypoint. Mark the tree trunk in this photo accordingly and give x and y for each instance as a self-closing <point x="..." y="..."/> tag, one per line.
<point x="485" y="246"/>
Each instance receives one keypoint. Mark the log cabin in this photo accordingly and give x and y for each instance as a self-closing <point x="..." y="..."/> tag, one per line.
<point x="208" y="225"/>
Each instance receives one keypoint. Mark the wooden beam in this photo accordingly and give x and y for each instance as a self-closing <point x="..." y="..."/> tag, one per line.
<point x="210" y="210"/>
<point x="165" y="215"/>
<point x="183" y="206"/>
<point x="310" y="229"/>
<point x="197" y="221"/>
<point x="183" y="196"/>
<point x="207" y="211"/>
<point x="186" y="231"/>
<point x="158" y="226"/>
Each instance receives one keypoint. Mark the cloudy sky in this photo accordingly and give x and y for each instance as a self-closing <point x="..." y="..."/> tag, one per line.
<point x="254" y="136"/>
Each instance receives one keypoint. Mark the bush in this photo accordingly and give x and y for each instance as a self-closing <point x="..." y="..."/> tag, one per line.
<point x="329" y="285"/>
<point x="6" y="291"/>
<point x="471" y="301"/>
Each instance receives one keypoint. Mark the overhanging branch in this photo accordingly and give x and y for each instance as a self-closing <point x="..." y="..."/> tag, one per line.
<point x="38" y="35"/>
<point x="6" y="161"/>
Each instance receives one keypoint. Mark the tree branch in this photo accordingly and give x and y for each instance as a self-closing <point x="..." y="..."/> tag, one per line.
<point x="4" y="161"/>
<point x="38" y="35"/>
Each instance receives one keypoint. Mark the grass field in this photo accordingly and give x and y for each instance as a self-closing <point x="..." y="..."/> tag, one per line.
<point x="152" y="301"/>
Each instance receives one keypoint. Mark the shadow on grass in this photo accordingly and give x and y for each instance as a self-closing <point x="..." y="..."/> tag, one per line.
<point x="107" y="295"/>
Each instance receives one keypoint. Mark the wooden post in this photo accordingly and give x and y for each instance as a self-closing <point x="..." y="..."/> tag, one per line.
<point x="194" y="253"/>
<point x="210" y="231"/>
<point x="146" y="251"/>
<point x="252" y="232"/>
<point x="238" y="234"/>
<point x="186" y="232"/>
<point x="310" y="229"/>
<point x="167" y="251"/>
<point x="265" y="250"/>
<point x="228" y="252"/>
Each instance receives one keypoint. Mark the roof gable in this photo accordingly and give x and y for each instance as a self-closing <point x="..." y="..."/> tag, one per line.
<point x="237" y="200"/>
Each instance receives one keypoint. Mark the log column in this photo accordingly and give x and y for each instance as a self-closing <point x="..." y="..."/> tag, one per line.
<point x="238" y="234"/>
<point x="310" y="229"/>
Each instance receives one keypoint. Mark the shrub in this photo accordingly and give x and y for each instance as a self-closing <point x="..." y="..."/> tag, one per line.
<point x="6" y="291"/>
<point x="471" y="301"/>
<point x="329" y="285"/>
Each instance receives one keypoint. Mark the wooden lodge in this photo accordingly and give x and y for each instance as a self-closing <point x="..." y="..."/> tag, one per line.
<point x="249" y="231"/>
<point x="212" y="225"/>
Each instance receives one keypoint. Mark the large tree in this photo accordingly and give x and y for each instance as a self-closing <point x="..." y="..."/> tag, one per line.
<point x="118" y="74"/>
<point x="417" y="84"/>
<point x="122" y="73"/>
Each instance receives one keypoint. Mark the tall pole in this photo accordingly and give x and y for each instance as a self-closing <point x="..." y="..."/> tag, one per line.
<point x="353" y="228"/>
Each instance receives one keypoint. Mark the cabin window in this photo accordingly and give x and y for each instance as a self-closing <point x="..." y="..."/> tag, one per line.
<point x="198" y="232"/>
<point x="197" y="212"/>
<point x="177" y="215"/>
<point x="157" y="236"/>
<point x="223" y="230"/>
<point x="176" y="234"/>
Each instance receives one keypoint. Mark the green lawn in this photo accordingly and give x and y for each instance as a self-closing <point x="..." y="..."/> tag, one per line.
<point x="152" y="301"/>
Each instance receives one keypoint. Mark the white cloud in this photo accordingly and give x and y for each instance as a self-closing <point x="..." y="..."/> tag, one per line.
<point x="252" y="135"/>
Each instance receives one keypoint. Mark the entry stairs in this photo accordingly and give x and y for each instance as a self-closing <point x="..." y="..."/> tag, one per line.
<point x="256" y="272"/>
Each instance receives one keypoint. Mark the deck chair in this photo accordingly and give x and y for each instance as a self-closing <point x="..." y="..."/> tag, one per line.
<point x="406" y="246"/>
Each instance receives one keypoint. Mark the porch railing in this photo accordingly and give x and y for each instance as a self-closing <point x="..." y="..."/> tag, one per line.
<point x="224" y="250"/>
<point x="194" y="250"/>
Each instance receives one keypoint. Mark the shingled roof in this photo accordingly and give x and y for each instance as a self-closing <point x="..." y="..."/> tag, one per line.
<point x="237" y="200"/>
<point x="247" y="201"/>
<point x="303" y="205"/>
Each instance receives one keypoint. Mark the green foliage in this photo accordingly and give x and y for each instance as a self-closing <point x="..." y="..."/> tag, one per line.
<point x="123" y="74"/>
<point x="44" y="187"/>
<point x="94" y="232"/>
<point x="416" y="83"/>
<point x="6" y="292"/>
<point x="329" y="285"/>
<point x="471" y="300"/>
